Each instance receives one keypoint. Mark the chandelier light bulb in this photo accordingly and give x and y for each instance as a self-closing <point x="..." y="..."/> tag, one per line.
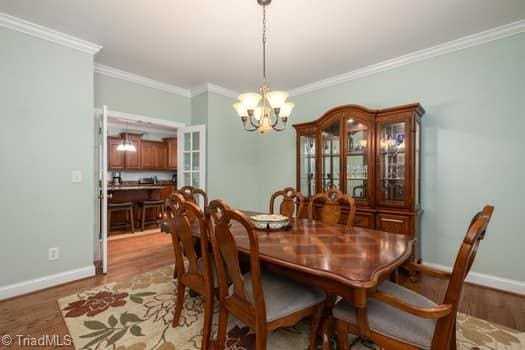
<point x="241" y="110"/>
<point x="286" y="109"/>
<point x="250" y="100"/>
<point x="276" y="99"/>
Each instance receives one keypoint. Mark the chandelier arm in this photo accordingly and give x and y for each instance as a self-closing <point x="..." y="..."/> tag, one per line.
<point x="279" y="129"/>
<point x="276" y="120"/>
<point x="245" y="128"/>
<point x="250" y="118"/>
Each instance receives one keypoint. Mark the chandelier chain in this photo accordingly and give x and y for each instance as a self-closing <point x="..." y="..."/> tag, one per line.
<point x="264" y="42"/>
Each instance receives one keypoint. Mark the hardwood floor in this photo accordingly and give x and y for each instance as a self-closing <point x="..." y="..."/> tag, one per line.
<point x="37" y="314"/>
<point x="503" y="308"/>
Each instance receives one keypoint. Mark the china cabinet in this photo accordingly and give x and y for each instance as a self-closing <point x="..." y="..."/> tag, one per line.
<point x="372" y="155"/>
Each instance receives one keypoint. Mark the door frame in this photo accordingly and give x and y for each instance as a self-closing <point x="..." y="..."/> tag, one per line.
<point x="100" y="234"/>
<point x="201" y="129"/>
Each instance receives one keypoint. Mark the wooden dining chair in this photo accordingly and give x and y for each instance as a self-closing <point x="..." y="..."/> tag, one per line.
<point x="191" y="271"/>
<point x="195" y="195"/>
<point x="292" y="202"/>
<point x="331" y="210"/>
<point x="398" y="318"/>
<point x="261" y="300"/>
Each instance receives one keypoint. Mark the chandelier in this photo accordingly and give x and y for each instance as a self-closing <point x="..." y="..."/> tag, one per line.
<point x="273" y="108"/>
<point x="126" y="145"/>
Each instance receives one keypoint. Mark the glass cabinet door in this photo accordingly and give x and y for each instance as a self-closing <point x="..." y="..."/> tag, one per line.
<point x="392" y="172"/>
<point x="357" y="155"/>
<point x="330" y="154"/>
<point x="307" y="164"/>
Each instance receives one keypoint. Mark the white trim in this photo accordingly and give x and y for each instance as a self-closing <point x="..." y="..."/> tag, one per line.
<point x="217" y="89"/>
<point x="140" y="80"/>
<point x="448" y="47"/>
<point x="142" y="119"/>
<point x="482" y="279"/>
<point x="45" y="282"/>
<point x="48" y="34"/>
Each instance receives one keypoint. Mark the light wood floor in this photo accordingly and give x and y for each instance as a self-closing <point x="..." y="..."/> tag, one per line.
<point x="37" y="314"/>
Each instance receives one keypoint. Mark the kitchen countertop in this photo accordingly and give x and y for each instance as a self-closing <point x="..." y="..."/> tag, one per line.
<point x="137" y="187"/>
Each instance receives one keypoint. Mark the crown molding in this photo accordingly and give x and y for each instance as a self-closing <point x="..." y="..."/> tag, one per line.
<point x="438" y="50"/>
<point x="48" y="34"/>
<point x="209" y="87"/>
<point x="140" y="80"/>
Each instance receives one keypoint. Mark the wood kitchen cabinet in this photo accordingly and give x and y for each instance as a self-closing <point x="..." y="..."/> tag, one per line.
<point x="172" y="152"/>
<point x="150" y="155"/>
<point x="132" y="159"/>
<point x="115" y="158"/>
<point x="154" y="155"/>
<point x="372" y="155"/>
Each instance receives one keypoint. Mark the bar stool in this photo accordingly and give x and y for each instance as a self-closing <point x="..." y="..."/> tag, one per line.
<point x="127" y="207"/>
<point x="158" y="205"/>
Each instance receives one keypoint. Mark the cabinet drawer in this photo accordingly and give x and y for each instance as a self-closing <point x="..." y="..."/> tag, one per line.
<point x="364" y="220"/>
<point x="393" y="223"/>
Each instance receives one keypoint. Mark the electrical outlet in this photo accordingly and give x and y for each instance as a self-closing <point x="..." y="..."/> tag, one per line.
<point x="53" y="254"/>
<point x="76" y="176"/>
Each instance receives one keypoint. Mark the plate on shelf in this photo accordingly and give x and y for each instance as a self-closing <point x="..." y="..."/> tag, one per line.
<point x="270" y="221"/>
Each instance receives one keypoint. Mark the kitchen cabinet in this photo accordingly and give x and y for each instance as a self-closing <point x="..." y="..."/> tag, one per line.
<point x="372" y="155"/>
<point x="150" y="154"/>
<point x="154" y="155"/>
<point x="115" y="158"/>
<point x="148" y="157"/>
<point x="132" y="159"/>
<point x="172" y="152"/>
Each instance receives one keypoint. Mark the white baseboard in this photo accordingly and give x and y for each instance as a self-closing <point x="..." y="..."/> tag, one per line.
<point x="490" y="281"/>
<point x="29" y="286"/>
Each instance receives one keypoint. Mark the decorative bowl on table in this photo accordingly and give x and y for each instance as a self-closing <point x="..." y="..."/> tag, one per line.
<point x="270" y="221"/>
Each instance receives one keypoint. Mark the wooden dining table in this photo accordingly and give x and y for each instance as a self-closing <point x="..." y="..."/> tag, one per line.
<point x="346" y="261"/>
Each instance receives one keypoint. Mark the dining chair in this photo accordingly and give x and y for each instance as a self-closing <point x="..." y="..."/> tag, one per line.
<point x="263" y="301"/>
<point x="398" y="318"/>
<point x="192" y="271"/>
<point x="292" y="202"/>
<point x="331" y="210"/>
<point x="195" y="195"/>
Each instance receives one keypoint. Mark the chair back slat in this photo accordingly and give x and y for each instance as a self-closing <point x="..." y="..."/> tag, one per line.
<point x="464" y="260"/>
<point x="179" y="220"/>
<point x="331" y="210"/>
<point x="292" y="202"/>
<point x="227" y="259"/>
<point x="195" y="195"/>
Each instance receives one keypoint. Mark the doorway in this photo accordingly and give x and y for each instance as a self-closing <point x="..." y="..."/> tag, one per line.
<point x="165" y="156"/>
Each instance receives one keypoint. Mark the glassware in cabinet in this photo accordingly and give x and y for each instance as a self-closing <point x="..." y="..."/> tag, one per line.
<point x="392" y="166"/>
<point x="307" y="171"/>
<point x="330" y="153"/>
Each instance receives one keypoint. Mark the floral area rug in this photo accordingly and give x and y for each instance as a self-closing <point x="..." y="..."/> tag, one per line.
<point x="136" y="314"/>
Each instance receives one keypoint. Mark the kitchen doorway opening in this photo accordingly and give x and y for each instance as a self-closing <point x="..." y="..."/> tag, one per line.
<point x="140" y="161"/>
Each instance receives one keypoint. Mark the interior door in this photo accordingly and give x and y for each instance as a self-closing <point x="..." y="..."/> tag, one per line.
<point x="103" y="189"/>
<point x="191" y="157"/>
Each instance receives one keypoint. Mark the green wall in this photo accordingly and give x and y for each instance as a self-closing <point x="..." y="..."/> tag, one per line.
<point x="46" y="95"/>
<point x="232" y="158"/>
<point x="472" y="145"/>
<point x="124" y="96"/>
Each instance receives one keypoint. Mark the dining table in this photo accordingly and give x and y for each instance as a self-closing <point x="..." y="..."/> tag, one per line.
<point x="345" y="261"/>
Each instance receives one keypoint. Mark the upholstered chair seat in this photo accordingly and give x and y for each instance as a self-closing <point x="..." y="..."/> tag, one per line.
<point x="283" y="296"/>
<point x="392" y="322"/>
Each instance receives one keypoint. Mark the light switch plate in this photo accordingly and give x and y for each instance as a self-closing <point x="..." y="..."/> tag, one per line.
<point x="76" y="176"/>
<point x="53" y="254"/>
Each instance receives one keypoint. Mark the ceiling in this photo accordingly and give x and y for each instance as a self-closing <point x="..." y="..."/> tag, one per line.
<point x="189" y="42"/>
